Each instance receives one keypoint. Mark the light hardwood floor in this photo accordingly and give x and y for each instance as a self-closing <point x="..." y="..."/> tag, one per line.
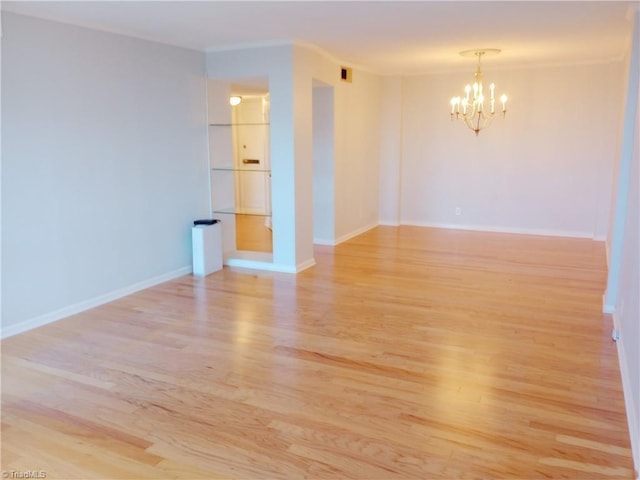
<point x="252" y="234"/>
<point x="404" y="353"/>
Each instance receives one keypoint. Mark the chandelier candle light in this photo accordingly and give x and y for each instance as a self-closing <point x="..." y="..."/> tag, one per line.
<point x="472" y="109"/>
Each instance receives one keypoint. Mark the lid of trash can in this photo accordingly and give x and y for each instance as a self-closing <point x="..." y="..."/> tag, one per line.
<point x="206" y="221"/>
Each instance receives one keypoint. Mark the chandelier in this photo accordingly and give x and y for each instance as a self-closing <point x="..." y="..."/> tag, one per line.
<point x="471" y="108"/>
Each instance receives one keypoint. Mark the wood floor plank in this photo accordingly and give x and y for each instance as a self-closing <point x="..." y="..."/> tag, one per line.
<point x="406" y="352"/>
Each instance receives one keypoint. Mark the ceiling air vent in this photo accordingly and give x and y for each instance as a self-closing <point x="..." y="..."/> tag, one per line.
<point x="346" y="74"/>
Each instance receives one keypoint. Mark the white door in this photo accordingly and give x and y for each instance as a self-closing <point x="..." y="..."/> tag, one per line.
<point x="253" y="179"/>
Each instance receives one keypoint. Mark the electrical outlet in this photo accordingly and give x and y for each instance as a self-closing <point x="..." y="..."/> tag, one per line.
<point x="458" y="210"/>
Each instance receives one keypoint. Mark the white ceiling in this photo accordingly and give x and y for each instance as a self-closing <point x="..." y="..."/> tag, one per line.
<point x="386" y="37"/>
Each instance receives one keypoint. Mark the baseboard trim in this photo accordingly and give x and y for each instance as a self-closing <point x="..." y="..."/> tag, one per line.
<point x="606" y="308"/>
<point x="520" y="231"/>
<point x="304" y="265"/>
<point x="323" y="241"/>
<point x="632" y="414"/>
<point x="91" y="303"/>
<point x="343" y="238"/>
<point x="355" y="233"/>
<point x="258" y="265"/>
<point x="268" y="266"/>
<point x="263" y="261"/>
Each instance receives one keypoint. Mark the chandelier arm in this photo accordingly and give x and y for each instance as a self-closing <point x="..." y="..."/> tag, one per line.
<point x="478" y="122"/>
<point x="478" y="127"/>
<point x="489" y="121"/>
<point x="469" y="122"/>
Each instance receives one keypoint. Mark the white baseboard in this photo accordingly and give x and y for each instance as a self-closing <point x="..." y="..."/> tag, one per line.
<point x="489" y="228"/>
<point x="263" y="261"/>
<point x="258" y="265"/>
<point x="304" y="265"/>
<point x="388" y="224"/>
<point x="355" y="233"/>
<point x="91" y="303"/>
<point x="344" y="238"/>
<point x="268" y="266"/>
<point x="323" y="241"/>
<point x="632" y="414"/>
<point x="606" y="308"/>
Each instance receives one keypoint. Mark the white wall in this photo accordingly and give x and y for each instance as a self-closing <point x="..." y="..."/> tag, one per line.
<point x="357" y="171"/>
<point x="390" y="150"/>
<point x="104" y="166"/>
<point x="623" y="241"/>
<point x="546" y="168"/>
<point x="323" y="165"/>
<point x="357" y="126"/>
<point x="627" y="311"/>
<point x="356" y="148"/>
<point x="1" y="250"/>
<point x="302" y="103"/>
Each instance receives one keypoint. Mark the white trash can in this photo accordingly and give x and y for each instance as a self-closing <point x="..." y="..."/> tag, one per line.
<point x="206" y="240"/>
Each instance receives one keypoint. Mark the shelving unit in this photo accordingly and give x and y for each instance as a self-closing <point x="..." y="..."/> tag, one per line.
<point x="241" y="179"/>
<point x="240" y="183"/>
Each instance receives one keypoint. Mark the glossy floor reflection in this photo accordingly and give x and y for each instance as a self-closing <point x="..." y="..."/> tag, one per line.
<point x="404" y="353"/>
<point x="253" y="233"/>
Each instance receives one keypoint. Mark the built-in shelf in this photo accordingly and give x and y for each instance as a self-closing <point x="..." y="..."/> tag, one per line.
<point x="234" y="124"/>
<point x="240" y="177"/>
<point x="241" y="211"/>
<point x="234" y="169"/>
